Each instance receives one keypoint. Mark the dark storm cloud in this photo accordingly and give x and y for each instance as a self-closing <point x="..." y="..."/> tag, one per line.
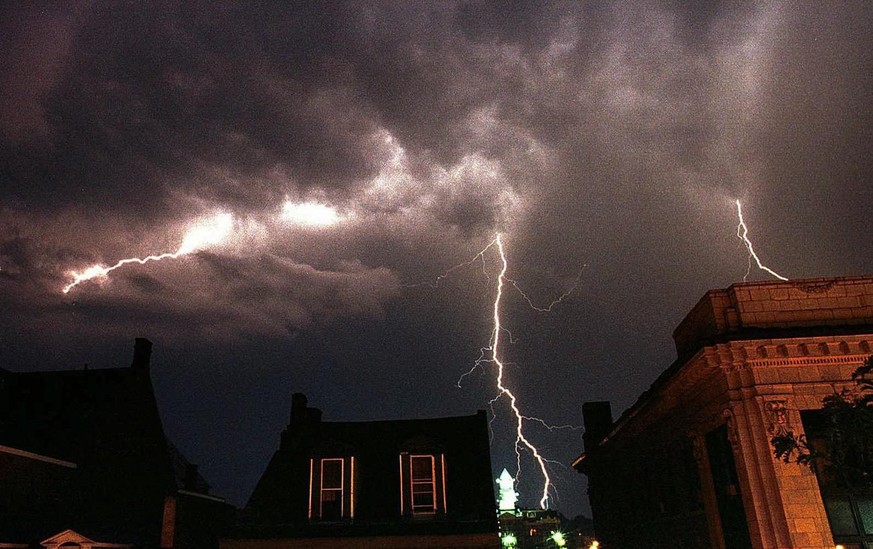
<point x="613" y="135"/>
<point x="151" y="97"/>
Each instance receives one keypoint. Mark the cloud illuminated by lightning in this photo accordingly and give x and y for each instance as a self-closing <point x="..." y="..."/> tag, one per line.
<point x="203" y="234"/>
<point x="310" y="214"/>
<point x="742" y="234"/>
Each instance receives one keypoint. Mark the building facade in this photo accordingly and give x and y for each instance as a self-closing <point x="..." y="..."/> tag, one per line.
<point x="376" y="484"/>
<point x="691" y="464"/>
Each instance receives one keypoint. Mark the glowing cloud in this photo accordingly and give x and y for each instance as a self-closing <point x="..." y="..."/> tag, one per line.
<point x="203" y="234"/>
<point x="310" y="214"/>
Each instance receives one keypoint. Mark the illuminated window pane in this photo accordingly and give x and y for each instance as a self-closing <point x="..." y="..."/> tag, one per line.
<point x="422" y="484"/>
<point x="331" y="501"/>
<point x="331" y="474"/>
<point x="422" y="468"/>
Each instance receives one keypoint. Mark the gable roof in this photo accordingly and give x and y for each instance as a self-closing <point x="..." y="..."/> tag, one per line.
<point x="70" y="536"/>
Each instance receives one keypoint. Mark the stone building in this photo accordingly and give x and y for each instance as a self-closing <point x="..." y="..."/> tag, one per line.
<point x="690" y="464"/>
<point x="373" y="484"/>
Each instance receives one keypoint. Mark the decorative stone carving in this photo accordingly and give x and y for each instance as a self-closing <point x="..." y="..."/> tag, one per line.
<point x="696" y="447"/>
<point x="732" y="434"/>
<point x="815" y="288"/>
<point x="777" y="415"/>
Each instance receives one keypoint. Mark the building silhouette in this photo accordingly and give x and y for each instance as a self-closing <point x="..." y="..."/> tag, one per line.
<point x="373" y="484"/>
<point x="84" y="458"/>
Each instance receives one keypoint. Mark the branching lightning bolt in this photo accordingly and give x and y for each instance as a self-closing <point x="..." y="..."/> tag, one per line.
<point x="520" y="439"/>
<point x="554" y="302"/>
<point x="742" y="234"/>
<point x="491" y="354"/>
<point x="478" y="257"/>
<point x="208" y="232"/>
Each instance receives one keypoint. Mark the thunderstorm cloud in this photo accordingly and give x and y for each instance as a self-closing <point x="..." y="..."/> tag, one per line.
<point x="607" y="139"/>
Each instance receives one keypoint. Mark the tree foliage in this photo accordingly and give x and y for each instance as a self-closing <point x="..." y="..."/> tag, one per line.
<point x="844" y="452"/>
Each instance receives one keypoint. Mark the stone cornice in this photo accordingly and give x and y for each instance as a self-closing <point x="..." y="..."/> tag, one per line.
<point x="741" y="354"/>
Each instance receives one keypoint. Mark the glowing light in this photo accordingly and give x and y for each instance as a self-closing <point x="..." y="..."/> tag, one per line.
<point x="509" y="540"/>
<point x="508" y="495"/>
<point x="594" y="545"/>
<point x="558" y="538"/>
<point x="310" y="214"/>
<point x="742" y="234"/>
<point x="203" y="234"/>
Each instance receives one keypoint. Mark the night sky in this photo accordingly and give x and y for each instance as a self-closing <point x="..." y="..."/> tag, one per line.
<point x="606" y="142"/>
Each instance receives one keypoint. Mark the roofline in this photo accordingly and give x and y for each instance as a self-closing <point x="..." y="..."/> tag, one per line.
<point x="37" y="457"/>
<point x="754" y="334"/>
<point x="199" y="495"/>
<point x="406" y="420"/>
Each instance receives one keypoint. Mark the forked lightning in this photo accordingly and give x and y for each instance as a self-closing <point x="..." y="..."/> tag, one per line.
<point x="743" y="234"/>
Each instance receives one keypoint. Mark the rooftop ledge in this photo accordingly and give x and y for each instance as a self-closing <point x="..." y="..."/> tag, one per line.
<point x="801" y="303"/>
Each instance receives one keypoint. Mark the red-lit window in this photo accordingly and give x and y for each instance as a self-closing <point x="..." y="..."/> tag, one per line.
<point x="422" y="484"/>
<point x="331" y="507"/>
<point x="331" y="488"/>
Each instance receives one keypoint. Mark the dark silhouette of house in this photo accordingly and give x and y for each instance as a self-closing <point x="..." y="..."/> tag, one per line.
<point x="403" y="483"/>
<point x="85" y="450"/>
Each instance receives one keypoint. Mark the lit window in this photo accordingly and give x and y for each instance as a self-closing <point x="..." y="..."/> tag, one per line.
<point x="331" y="488"/>
<point x="422" y="484"/>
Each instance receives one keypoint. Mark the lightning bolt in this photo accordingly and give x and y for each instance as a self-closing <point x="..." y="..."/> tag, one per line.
<point x="520" y="439"/>
<point x="742" y="234"/>
<point x="210" y="231"/>
<point x="491" y="354"/>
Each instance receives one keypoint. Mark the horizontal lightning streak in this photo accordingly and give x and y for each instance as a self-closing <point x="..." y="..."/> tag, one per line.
<point x="99" y="270"/>
<point x="205" y="233"/>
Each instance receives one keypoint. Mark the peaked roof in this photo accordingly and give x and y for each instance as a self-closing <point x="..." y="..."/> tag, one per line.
<point x="70" y="536"/>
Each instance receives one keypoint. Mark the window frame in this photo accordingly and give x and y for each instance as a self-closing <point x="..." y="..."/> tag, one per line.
<point x="345" y="491"/>
<point x="410" y="486"/>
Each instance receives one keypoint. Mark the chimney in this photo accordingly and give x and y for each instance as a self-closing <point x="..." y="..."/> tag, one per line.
<point x="313" y="415"/>
<point x="301" y="414"/>
<point x="190" y="480"/>
<point x="298" y="408"/>
<point x="597" y="417"/>
<point x="142" y="353"/>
